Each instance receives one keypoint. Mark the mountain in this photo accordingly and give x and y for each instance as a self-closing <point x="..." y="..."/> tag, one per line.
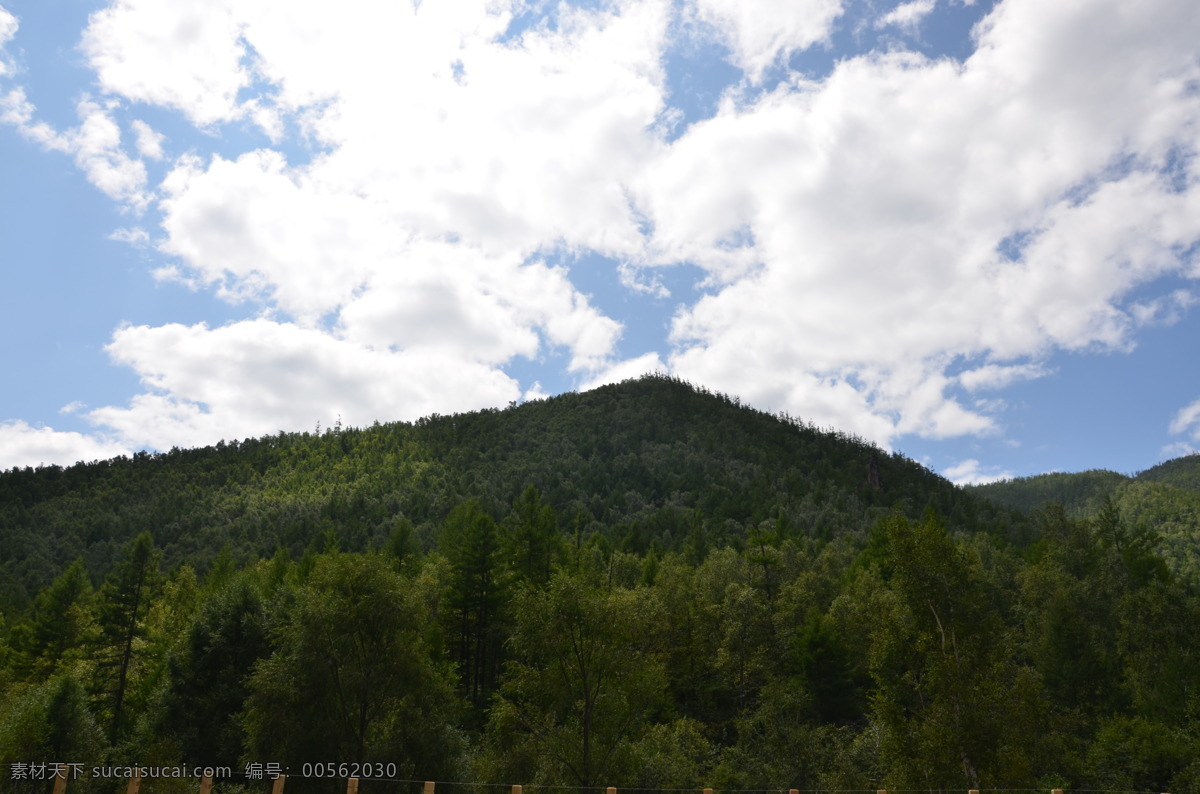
<point x="1165" y="498"/>
<point x="1182" y="472"/>
<point x="647" y="586"/>
<point x="646" y="462"/>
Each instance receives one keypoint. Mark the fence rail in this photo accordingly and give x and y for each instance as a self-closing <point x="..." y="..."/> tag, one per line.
<point x="279" y="783"/>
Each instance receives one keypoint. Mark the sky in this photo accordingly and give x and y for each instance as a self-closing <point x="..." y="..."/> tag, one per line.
<point x="966" y="231"/>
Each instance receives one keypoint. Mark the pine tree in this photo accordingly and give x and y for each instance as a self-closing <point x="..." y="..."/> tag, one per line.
<point x="471" y="545"/>
<point x="124" y="601"/>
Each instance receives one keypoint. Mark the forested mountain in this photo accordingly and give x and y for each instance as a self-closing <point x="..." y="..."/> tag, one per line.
<point x="646" y="585"/>
<point x="647" y="461"/>
<point x="1165" y="499"/>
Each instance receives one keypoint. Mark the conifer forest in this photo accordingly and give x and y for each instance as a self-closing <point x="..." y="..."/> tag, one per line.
<point x="644" y="586"/>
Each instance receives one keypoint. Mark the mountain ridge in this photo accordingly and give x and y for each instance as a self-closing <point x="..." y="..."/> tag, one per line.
<point x="1165" y="497"/>
<point x="644" y="460"/>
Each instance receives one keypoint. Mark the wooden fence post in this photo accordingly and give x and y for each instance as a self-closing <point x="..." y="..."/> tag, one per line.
<point x="610" y="790"/>
<point x="429" y="787"/>
<point x="1055" y="791"/>
<point x="516" y="789"/>
<point x="135" y="784"/>
<point x="60" y="779"/>
<point x="205" y="785"/>
<point x="278" y="787"/>
<point x="352" y="786"/>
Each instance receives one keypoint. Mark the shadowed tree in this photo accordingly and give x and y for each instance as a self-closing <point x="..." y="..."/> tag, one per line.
<point x="123" y="603"/>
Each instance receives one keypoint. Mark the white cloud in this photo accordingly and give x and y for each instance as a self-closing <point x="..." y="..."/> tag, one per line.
<point x="416" y="235"/>
<point x="905" y="214"/>
<point x="8" y="29"/>
<point x="185" y="55"/>
<point x="624" y="370"/>
<point x="133" y="236"/>
<point x="149" y="142"/>
<point x="971" y="472"/>
<point x="1164" y="310"/>
<point x="997" y="376"/>
<point x="907" y="16"/>
<point x="761" y="33"/>
<point x="22" y="445"/>
<point x="863" y="236"/>
<point x="535" y="392"/>
<point x="257" y="230"/>
<point x="1177" y="450"/>
<point x="1187" y="421"/>
<point x="255" y="377"/>
<point x="95" y="145"/>
<point x="15" y="109"/>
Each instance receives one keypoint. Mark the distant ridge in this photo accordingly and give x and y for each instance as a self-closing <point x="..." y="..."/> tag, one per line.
<point x="1166" y="497"/>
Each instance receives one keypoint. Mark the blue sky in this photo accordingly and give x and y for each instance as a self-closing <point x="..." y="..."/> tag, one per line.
<point x="968" y="231"/>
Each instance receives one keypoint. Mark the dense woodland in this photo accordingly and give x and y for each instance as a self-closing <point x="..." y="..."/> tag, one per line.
<point x="646" y="585"/>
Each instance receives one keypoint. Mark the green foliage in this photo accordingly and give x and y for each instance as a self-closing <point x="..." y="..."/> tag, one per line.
<point x="1134" y="754"/>
<point x="61" y="619"/>
<point x="531" y="539"/>
<point x="1181" y="472"/>
<point x="48" y="723"/>
<point x="209" y="676"/>
<point x="825" y="669"/>
<point x="586" y="678"/>
<point x="644" y="585"/>
<point x="352" y="676"/>
<point x="647" y="460"/>
<point x="470" y="543"/>
<point x="1163" y="501"/>
<point x="1080" y="493"/>
<point x="954" y="708"/>
<point x="124" y="601"/>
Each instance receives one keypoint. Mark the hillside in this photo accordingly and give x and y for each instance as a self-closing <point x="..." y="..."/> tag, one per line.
<point x="645" y="586"/>
<point x="1182" y="472"/>
<point x="652" y="461"/>
<point x="1165" y="498"/>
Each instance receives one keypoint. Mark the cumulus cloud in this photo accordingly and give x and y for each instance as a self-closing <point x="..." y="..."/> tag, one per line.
<point x="149" y="142"/>
<point x="624" y="370"/>
<point x="906" y="213"/>
<point x="875" y="244"/>
<point x="22" y="445"/>
<point x="907" y="16"/>
<point x="411" y="245"/>
<point x="185" y="55"/>
<point x="972" y="472"/>
<point x="761" y="33"/>
<point x="259" y="376"/>
<point x="95" y="146"/>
